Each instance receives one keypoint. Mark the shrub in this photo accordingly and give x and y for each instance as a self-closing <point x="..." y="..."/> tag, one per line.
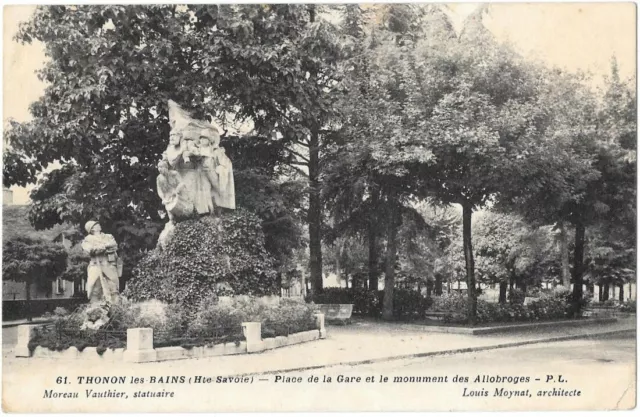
<point x="566" y="296"/>
<point x="516" y="296"/>
<point x="407" y="304"/>
<point x="287" y="317"/>
<point x="214" y="322"/>
<point x="67" y="330"/>
<point x="365" y="302"/>
<point x="168" y="320"/>
<point x="451" y="302"/>
<point x="534" y="291"/>
<point x="336" y="295"/>
<point x="206" y="257"/>
<point x="628" y="306"/>
<point x="548" y="307"/>
<point x="216" y="319"/>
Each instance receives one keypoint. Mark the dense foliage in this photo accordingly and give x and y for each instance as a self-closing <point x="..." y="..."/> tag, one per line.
<point x="213" y="322"/>
<point x="552" y="306"/>
<point x="407" y="304"/>
<point x="281" y="319"/>
<point x="207" y="256"/>
<point x="365" y="121"/>
<point x="33" y="261"/>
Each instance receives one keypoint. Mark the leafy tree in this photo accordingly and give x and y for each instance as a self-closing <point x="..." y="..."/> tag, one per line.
<point x="347" y="257"/>
<point x="471" y="100"/>
<point x="267" y="188"/>
<point x="366" y="180"/>
<point x="443" y="224"/>
<point x="32" y="261"/>
<point x="110" y="73"/>
<point x="510" y="252"/>
<point x="610" y="259"/>
<point x="581" y="170"/>
<point x="76" y="270"/>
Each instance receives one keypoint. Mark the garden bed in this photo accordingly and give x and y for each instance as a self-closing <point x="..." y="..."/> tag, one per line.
<point x="140" y="348"/>
<point x="169" y="333"/>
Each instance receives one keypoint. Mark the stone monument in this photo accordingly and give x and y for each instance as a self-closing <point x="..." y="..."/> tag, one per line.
<point x="208" y="248"/>
<point x="195" y="174"/>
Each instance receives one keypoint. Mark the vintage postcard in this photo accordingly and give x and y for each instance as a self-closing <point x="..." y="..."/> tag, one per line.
<point x="319" y="207"/>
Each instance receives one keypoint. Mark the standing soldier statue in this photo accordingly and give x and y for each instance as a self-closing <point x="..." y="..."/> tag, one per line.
<point x="105" y="268"/>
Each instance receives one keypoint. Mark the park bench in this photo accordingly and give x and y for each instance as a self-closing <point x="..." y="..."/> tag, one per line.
<point x="336" y="312"/>
<point x="600" y="311"/>
<point x="436" y="315"/>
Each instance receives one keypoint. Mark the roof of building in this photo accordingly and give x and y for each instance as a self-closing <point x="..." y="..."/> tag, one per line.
<point x="15" y="222"/>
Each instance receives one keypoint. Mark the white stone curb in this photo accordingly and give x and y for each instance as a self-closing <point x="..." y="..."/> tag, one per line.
<point x="140" y="345"/>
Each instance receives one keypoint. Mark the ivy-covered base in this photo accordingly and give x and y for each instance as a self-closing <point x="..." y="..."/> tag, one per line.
<point x="207" y="256"/>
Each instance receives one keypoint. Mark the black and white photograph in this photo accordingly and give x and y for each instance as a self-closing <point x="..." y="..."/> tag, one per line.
<point x="319" y="207"/>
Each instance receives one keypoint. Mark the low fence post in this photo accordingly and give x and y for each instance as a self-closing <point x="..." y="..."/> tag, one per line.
<point x="140" y="346"/>
<point x="253" y="335"/>
<point x="320" y="325"/>
<point x="25" y="331"/>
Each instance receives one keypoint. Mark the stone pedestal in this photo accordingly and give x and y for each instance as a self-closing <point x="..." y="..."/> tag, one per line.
<point x="25" y="332"/>
<point x="320" y="325"/>
<point x="140" y="346"/>
<point x="253" y="335"/>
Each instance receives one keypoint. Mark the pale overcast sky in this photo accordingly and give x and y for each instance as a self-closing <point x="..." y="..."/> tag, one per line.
<point x="575" y="36"/>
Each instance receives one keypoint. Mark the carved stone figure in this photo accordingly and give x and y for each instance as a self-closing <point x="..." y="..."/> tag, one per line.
<point x="105" y="267"/>
<point x="223" y="189"/>
<point x="201" y="165"/>
<point x="173" y="192"/>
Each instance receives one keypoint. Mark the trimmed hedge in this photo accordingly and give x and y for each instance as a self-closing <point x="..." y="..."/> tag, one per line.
<point x="548" y="307"/>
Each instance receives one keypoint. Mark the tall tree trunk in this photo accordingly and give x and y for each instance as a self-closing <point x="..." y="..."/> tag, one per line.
<point x="390" y="267"/>
<point x="521" y="284"/>
<point x="27" y="285"/>
<point x="373" y="255"/>
<point x="600" y="292"/>
<point x="564" y="255"/>
<point x="578" y="260"/>
<point x="502" y="299"/>
<point x="338" y="254"/>
<point x="315" y="215"/>
<point x="468" y="257"/>
<point x="621" y="294"/>
<point x="438" y="286"/>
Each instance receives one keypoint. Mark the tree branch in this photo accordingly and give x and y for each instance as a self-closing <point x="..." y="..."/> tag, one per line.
<point x="304" y="158"/>
<point x="298" y="170"/>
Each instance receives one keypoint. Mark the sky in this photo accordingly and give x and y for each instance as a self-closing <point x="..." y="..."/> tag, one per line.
<point x="573" y="36"/>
